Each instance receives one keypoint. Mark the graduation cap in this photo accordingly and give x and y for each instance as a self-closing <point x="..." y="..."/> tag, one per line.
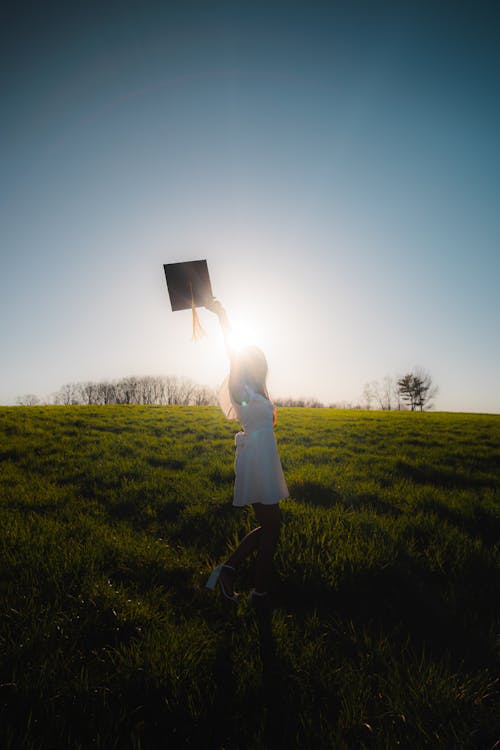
<point x="189" y="287"/>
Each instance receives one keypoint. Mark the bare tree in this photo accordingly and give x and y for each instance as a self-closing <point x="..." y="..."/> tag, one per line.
<point x="170" y="389"/>
<point x="204" y="396"/>
<point x="186" y="391"/>
<point x="106" y="392"/>
<point x="308" y="403"/>
<point x="68" y="394"/>
<point x="127" y="390"/>
<point x="367" y="396"/>
<point x="89" y="392"/>
<point x="147" y="390"/>
<point x="382" y="393"/>
<point x="157" y="389"/>
<point x="313" y="403"/>
<point x="29" y="399"/>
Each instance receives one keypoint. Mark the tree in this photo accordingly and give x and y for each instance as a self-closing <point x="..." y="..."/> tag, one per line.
<point x="186" y="389"/>
<point x="106" y="392"/>
<point x="204" y="396"/>
<point x="29" y="399"/>
<point x="367" y="396"/>
<point x="383" y="393"/>
<point x="88" y="392"/>
<point x="68" y="394"/>
<point x="308" y="403"/>
<point x="416" y="389"/>
<point x="127" y="389"/>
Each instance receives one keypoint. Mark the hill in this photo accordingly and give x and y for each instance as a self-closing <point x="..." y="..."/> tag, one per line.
<point x="383" y="634"/>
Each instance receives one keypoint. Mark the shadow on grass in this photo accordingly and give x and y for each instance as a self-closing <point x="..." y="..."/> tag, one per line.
<point x="222" y="475"/>
<point x="313" y="493"/>
<point x="169" y="512"/>
<point x="273" y="715"/>
<point x="11" y="454"/>
<point x="407" y="600"/>
<point x="447" y="478"/>
<point x="279" y="715"/>
<point x="478" y="522"/>
<point x="142" y="516"/>
<point x="166" y="463"/>
<point x="225" y="707"/>
<point x="208" y="530"/>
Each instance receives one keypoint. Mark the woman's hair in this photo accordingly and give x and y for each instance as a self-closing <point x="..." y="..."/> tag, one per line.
<point x="252" y="368"/>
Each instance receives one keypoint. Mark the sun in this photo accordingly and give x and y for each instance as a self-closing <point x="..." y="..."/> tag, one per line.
<point x="242" y="335"/>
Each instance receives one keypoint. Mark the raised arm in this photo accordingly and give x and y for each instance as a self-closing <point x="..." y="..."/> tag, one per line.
<point x="236" y="386"/>
<point x="216" y="307"/>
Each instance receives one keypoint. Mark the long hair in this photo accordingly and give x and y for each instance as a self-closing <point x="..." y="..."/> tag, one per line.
<point x="251" y="366"/>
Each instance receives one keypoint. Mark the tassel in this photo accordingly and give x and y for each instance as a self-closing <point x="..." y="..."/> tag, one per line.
<point x="198" y="331"/>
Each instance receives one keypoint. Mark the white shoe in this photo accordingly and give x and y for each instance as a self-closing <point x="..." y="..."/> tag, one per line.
<point x="215" y="579"/>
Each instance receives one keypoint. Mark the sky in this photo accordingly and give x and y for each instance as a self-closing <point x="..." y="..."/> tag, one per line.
<point x="337" y="164"/>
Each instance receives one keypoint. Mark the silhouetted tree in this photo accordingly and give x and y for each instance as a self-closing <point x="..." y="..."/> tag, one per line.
<point x="384" y="393"/>
<point x="67" y="395"/>
<point x="127" y="389"/>
<point x="308" y="403"/>
<point x="204" y="396"/>
<point x="29" y="399"/>
<point x="147" y="389"/>
<point x="416" y="389"/>
<point x="106" y="392"/>
<point x="89" y="392"/>
<point x="367" y="396"/>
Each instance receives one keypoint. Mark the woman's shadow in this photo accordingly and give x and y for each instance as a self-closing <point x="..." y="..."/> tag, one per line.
<point x="277" y="719"/>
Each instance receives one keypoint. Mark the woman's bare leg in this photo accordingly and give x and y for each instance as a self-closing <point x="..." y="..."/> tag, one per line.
<point x="269" y="516"/>
<point x="248" y="544"/>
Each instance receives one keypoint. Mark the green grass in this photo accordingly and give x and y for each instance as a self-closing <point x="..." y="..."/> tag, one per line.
<point x="383" y="634"/>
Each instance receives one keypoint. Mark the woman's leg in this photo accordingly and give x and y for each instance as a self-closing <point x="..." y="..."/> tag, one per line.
<point x="269" y="516"/>
<point x="248" y="544"/>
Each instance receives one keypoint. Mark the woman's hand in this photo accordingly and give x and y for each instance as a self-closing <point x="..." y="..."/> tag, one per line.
<point x="215" y="306"/>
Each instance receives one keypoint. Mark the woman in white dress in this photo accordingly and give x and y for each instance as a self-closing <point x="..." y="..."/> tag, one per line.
<point x="259" y="479"/>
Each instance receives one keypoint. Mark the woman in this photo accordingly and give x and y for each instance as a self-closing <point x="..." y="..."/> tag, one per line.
<point x="259" y="479"/>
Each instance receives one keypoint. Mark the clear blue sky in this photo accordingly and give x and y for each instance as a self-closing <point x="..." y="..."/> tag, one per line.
<point x="336" y="163"/>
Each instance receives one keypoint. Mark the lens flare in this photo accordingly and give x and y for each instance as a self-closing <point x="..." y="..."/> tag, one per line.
<point x="242" y="335"/>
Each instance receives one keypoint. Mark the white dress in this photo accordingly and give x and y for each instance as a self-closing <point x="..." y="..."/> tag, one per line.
<point x="259" y="475"/>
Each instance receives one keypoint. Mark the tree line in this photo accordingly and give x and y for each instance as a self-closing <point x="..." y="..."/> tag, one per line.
<point x="148" y="390"/>
<point x="412" y="391"/>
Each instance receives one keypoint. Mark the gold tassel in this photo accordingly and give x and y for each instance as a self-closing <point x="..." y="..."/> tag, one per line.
<point x="198" y="331"/>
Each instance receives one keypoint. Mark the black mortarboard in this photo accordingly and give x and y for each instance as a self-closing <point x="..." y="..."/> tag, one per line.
<point x="189" y="287"/>
<point x="188" y="283"/>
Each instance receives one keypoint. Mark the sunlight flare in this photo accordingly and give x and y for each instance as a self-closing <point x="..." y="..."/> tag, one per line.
<point x="243" y="335"/>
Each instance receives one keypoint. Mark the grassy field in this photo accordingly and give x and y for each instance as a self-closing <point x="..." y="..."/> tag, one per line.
<point x="387" y="593"/>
